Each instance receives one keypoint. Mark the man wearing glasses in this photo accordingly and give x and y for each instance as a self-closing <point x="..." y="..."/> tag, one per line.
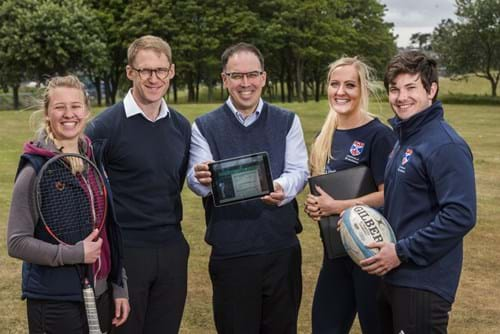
<point x="255" y="264"/>
<point x="145" y="146"/>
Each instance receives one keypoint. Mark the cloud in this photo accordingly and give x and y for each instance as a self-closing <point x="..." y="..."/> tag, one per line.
<point x="414" y="16"/>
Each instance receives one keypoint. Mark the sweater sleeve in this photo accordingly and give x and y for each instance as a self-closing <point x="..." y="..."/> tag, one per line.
<point x="21" y="242"/>
<point x="451" y="173"/>
<point x="121" y="291"/>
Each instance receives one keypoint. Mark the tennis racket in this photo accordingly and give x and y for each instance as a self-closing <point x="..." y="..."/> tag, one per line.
<point x="70" y="197"/>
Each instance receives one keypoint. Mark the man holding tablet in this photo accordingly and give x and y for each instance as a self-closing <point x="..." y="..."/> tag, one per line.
<point x="255" y="264"/>
<point x="241" y="178"/>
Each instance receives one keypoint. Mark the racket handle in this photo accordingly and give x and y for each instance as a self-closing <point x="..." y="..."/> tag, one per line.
<point x="91" y="309"/>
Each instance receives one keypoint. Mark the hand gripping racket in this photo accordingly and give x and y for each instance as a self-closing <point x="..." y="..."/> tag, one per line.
<point x="70" y="196"/>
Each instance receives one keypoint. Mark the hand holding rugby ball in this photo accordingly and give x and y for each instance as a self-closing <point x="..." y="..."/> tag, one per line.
<point x="362" y="225"/>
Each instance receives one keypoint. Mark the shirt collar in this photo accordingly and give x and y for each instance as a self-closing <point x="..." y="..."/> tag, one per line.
<point x="132" y="108"/>
<point x="238" y="114"/>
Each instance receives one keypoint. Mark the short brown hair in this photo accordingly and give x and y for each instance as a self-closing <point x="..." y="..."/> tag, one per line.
<point x="148" y="42"/>
<point x="241" y="47"/>
<point x="413" y="62"/>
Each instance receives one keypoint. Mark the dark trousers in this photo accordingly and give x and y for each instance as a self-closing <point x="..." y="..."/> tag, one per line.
<point x="157" y="284"/>
<point x="56" y="317"/>
<point x="412" y="311"/>
<point x="105" y="310"/>
<point x="258" y="293"/>
<point x="343" y="290"/>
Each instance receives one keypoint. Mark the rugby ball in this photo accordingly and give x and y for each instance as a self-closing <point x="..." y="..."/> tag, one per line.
<point x="362" y="225"/>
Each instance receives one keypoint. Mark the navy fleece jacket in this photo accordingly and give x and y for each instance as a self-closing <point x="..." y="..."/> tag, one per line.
<point x="430" y="201"/>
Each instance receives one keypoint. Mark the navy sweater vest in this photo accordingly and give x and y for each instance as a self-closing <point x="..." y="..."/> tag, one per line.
<point x="250" y="227"/>
<point x="146" y="164"/>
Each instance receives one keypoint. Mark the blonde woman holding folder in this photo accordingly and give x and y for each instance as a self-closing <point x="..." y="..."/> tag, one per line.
<point x="349" y="137"/>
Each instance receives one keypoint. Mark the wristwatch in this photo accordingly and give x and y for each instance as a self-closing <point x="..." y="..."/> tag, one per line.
<point x="399" y="252"/>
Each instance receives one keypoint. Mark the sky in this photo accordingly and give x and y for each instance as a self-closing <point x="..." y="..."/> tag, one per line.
<point x="412" y="16"/>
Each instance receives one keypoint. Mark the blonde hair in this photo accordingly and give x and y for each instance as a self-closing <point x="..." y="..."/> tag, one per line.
<point x="321" y="147"/>
<point x="148" y="42"/>
<point x="68" y="81"/>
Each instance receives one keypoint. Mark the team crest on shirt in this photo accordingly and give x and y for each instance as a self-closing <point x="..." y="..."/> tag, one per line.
<point x="357" y="148"/>
<point x="355" y="151"/>
<point x="406" y="158"/>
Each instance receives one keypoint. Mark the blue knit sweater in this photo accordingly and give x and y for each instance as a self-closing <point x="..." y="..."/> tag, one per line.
<point x="146" y="163"/>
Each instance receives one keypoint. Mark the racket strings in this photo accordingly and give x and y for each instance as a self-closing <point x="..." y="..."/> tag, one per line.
<point x="90" y="194"/>
<point x="95" y="191"/>
<point x="70" y="199"/>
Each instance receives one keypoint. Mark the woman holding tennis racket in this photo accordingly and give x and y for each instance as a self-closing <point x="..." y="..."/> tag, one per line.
<point x="62" y="225"/>
<point x="350" y="137"/>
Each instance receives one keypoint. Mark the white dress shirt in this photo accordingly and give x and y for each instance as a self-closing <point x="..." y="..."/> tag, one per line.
<point x="132" y="108"/>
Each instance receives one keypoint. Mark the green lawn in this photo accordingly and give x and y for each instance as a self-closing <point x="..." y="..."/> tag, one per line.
<point x="476" y="310"/>
<point x="471" y="85"/>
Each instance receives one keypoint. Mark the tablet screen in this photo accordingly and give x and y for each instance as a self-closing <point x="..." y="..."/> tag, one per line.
<point x="241" y="178"/>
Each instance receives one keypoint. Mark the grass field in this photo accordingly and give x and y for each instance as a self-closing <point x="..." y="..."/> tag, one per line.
<point x="477" y="308"/>
<point x="471" y="85"/>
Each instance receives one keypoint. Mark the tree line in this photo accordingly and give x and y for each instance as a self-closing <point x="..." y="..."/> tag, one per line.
<point x="41" y="38"/>
<point x="471" y="44"/>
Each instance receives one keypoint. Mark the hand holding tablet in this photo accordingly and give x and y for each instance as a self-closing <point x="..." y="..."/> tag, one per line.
<point x="239" y="179"/>
<point x="275" y="197"/>
<point x="202" y="173"/>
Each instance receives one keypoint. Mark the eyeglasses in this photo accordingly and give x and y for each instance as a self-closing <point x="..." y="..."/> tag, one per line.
<point x="146" y="73"/>
<point x="237" y="76"/>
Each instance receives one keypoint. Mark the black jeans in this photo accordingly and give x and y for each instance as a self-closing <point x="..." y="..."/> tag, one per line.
<point x="56" y="317"/>
<point x="412" y="311"/>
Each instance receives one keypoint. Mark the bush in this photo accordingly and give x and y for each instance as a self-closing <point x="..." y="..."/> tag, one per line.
<point x="470" y="99"/>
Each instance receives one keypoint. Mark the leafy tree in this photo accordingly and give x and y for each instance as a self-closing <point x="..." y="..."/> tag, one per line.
<point x="304" y="37"/>
<point x="112" y="16"/>
<point x="422" y="40"/>
<point x="206" y="28"/>
<point x="40" y="39"/>
<point x="65" y="36"/>
<point x="14" y="45"/>
<point x="298" y="39"/>
<point x="235" y="22"/>
<point x="195" y="43"/>
<point x="471" y="45"/>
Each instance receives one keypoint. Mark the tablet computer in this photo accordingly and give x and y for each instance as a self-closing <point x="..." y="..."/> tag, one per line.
<point x="241" y="178"/>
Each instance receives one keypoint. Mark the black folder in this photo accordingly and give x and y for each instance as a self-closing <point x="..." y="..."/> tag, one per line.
<point x="344" y="184"/>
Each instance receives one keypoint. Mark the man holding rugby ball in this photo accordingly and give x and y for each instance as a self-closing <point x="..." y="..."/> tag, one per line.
<point x="430" y="202"/>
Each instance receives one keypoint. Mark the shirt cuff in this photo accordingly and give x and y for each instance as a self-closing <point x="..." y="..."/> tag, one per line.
<point x="400" y="252"/>
<point x="72" y="254"/>
<point x="120" y="292"/>
<point x="286" y="190"/>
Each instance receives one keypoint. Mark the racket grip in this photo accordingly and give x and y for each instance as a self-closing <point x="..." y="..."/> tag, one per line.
<point x="91" y="309"/>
